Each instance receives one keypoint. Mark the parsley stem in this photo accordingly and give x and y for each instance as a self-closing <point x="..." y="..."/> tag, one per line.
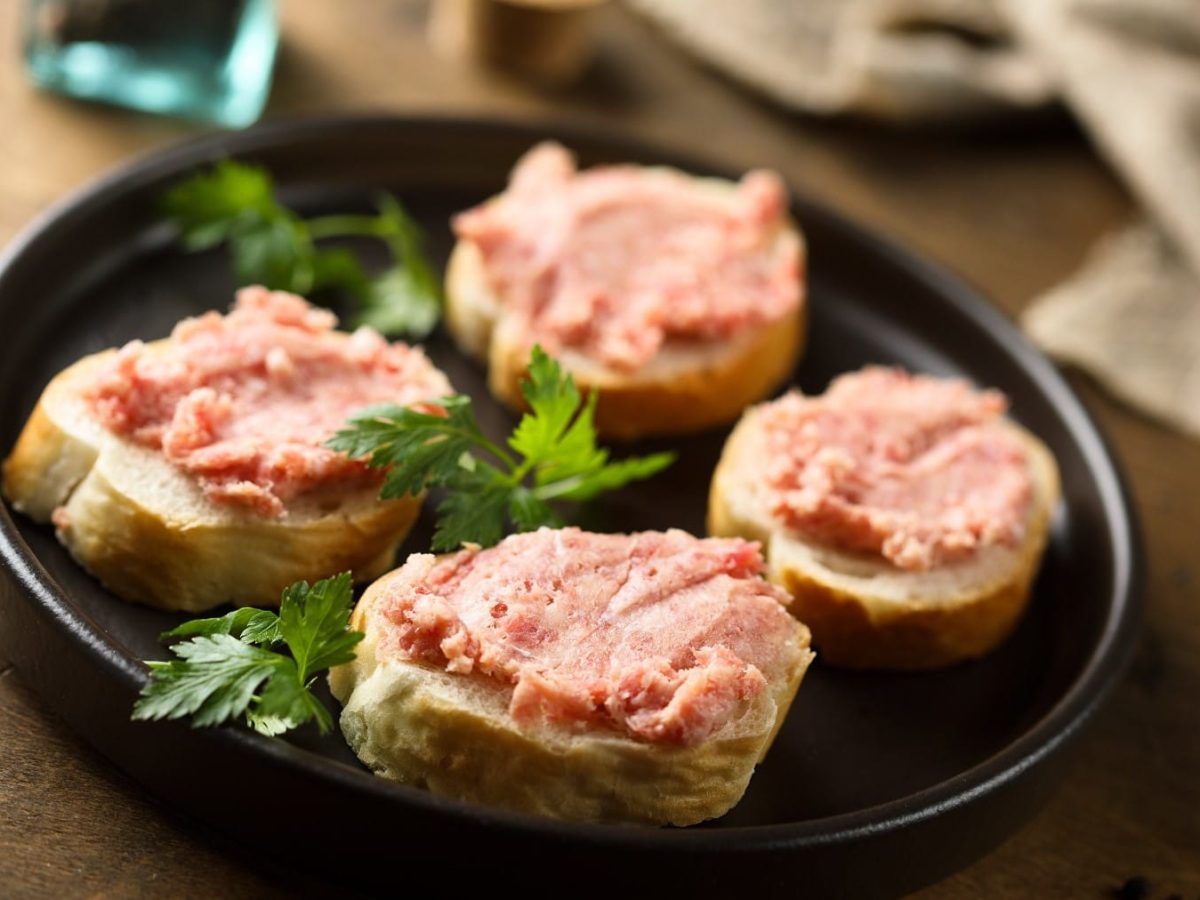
<point x="480" y="440"/>
<point x="501" y="454"/>
<point x="519" y="472"/>
<point x="345" y="226"/>
<point x="558" y="488"/>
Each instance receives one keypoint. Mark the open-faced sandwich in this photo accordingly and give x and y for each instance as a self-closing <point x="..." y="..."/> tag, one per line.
<point x="905" y="514"/>
<point x="678" y="299"/>
<point x="584" y="676"/>
<point x="192" y="471"/>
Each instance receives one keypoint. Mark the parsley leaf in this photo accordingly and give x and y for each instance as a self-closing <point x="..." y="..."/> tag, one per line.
<point x="551" y="455"/>
<point x="230" y="668"/>
<point x="406" y="297"/>
<point x="210" y="206"/>
<point x="235" y="203"/>
<point x="553" y="401"/>
<point x="274" y="253"/>
<point x="213" y="680"/>
<point x="254" y="626"/>
<point x="312" y="622"/>
<point x="399" y="302"/>
<point x="287" y="702"/>
<point x="422" y="449"/>
<point x="474" y="516"/>
<point x="529" y="512"/>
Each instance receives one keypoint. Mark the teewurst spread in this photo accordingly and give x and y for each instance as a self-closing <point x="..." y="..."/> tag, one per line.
<point x="617" y="260"/>
<point x="244" y="402"/>
<point x="919" y="470"/>
<point x="663" y="637"/>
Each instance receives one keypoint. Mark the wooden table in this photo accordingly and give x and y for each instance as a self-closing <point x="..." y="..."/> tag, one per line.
<point x="1012" y="212"/>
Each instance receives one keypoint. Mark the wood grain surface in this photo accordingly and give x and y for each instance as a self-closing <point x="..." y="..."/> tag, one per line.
<point x="1013" y="212"/>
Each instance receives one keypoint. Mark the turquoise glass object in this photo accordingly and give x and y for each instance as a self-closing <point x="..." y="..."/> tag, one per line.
<point x="200" y="59"/>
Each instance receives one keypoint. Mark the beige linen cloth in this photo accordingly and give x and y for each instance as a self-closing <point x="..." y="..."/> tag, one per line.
<point x="1128" y="69"/>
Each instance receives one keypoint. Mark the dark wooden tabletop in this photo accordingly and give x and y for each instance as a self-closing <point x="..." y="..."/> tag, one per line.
<point x="1012" y="211"/>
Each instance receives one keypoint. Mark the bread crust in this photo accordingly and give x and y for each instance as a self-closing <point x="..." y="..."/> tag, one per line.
<point x="149" y="534"/>
<point x="689" y="387"/>
<point x="866" y="614"/>
<point x="452" y="734"/>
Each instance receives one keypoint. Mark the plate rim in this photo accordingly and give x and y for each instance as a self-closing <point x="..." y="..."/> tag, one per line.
<point x="1041" y="740"/>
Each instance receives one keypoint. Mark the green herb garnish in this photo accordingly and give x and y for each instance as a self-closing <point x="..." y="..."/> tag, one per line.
<point x="255" y="664"/>
<point x="551" y="456"/>
<point x="235" y="203"/>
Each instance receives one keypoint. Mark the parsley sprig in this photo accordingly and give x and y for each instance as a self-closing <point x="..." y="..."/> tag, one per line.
<point x="235" y="203"/>
<point x="235" y="665"/>
<point x="551" y="456"/>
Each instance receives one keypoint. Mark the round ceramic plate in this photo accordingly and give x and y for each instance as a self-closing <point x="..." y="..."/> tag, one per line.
<point x="877" y="782"/>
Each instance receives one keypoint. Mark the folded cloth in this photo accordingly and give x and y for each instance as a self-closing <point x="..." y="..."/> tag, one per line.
<point x="1128" y="69"/>
<point x="902" y="60"/>
<point x="1132" y="319"/>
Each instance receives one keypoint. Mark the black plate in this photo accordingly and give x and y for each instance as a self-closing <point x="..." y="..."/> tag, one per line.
<point x="877" y="783"/>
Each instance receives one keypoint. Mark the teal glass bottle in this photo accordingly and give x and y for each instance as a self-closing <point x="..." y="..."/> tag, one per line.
<point x="201" y="59"/>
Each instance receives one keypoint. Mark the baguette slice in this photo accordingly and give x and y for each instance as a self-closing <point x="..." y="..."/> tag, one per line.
<point x="147" y="531"/>
<point x="866" y="613"/>
<point x="688" y="386"/>
<point x="453" y="735"/>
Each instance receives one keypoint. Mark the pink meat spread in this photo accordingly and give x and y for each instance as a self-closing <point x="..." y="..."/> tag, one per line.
<point x="913" y="468"/>
<point x="244" y="402"/>
<point x="660" y="636"/>
<point x="615" y="261"/>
